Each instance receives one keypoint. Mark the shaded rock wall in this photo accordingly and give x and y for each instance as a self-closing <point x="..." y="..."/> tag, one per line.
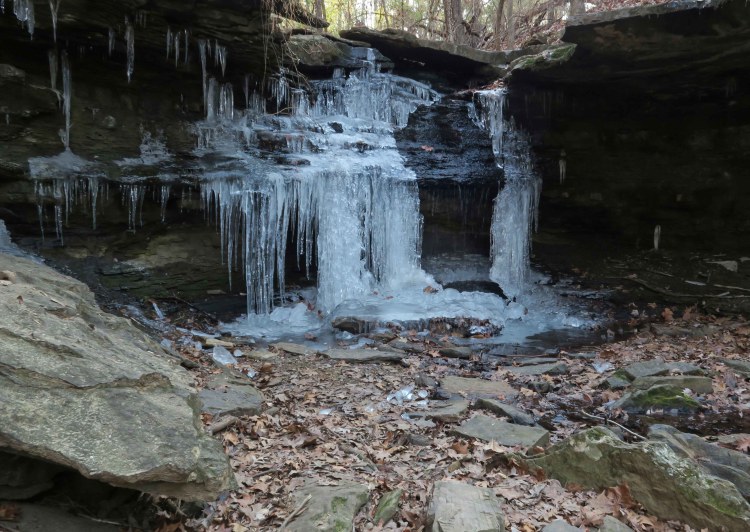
<point x="651" y="116"/>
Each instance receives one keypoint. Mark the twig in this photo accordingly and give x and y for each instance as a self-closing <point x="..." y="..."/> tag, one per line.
<point x="675" y="294"/>
<point x="614" y="423"/>
<point x="222" y="424"/>
<point x="298" y="510"/>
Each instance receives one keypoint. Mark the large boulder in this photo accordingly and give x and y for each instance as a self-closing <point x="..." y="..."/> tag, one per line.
<point x="90" y="391"/>
<point x="666" y="484"/>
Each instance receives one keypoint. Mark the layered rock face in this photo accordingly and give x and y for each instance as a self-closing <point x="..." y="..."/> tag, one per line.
<point x="647" y="123"/>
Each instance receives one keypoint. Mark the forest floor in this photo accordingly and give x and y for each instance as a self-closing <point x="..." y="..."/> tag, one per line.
<point x="328" y="421"/>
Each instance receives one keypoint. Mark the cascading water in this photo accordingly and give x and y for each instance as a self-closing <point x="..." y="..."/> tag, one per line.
<point x="517" y="204"/>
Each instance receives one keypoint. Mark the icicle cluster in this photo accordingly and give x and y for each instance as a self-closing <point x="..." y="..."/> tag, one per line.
<point x="24" y="12"/>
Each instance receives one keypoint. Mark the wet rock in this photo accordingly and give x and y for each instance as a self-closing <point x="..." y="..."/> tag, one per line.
<point x="445" y="411"/>
<point x="458" y="507"/>
<point x="667" y="485"/>
<point x="503" y="409"/>
<point x="488" y="429"/>
<point x="559" y="525"/>
<point x="213" y="342"/>
<point x="330" y="508"/>
<point x="476" y="387"/>
<point x="383" y="337"/>
<point x="730" y="465"/>
<point x="261" y="354"/>
<point x="732" y="439"/>
<point x="388" y="507"/>
<point x="362" y="355"/>
<point x="740" y="366"/>
<point x="320" y="52"/>
<point x="228" y="395"/>
<point x="90" y="391"/>
<point x="456" y="352"/>
<point x="426" y="381"/>
<point x="557" y="368"/>
<point x="663" y="396"/>
<point x="294" y="349"/>
<point x="701" y="385"/>
<point x="610" y="524"/>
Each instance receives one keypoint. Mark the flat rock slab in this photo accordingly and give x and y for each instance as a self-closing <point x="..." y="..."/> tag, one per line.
<point x="445" y="411"/>
<point x="728" y="464"/>
<point x="698" y="384"/>
<point x="456" y="352"/>
<point x="477" y="387"/>
<point x="294" y="349"/>
<point x="509" y="434"/>
<point x="657" y="367"/>
<point x="556" y="368"/>
<point x="459" y="507"/>
<point x="229" y="395"/>
<point x="363" y="355"/>
<point x="502" y="409"/>
<point x="330" y="508"/>
<point x="90" y="391"/>
<point x="534" y="361"/>
<point x="610" y="524"/>
<point x="666" y="484"/>
<point x="561" y="526"/>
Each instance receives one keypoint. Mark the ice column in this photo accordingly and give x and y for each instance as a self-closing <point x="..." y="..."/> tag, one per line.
<point x="516" y="207"/>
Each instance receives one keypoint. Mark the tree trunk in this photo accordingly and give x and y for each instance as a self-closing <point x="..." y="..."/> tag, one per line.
<point x="510" y="37"/>
<point x="499" y="28"/>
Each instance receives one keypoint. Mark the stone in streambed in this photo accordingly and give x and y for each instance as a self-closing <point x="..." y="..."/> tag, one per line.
<point x="698" y="384"/>
<point x="445" y="411"/>
<point x="459" y="507"/>
<point x="557" y="368"/>
<point x="503" y="409"/>
<point x="228" y="395"/>
<point x="362" y="355"/>
<point x="509" y="434"/>
<point x="559" y="525"/>
<point x="455" y="352"/>
<point x="330" y="508"/>
<point x="662" y="397"/>
<point x="476" y="387"/>
<point x="388" y="506"/>
<point x="294" y="349"/>
<point x="667" y="485"/>
<point x="610" y="524"/>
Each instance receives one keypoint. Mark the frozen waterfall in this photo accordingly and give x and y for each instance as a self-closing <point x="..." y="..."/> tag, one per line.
<point x="517" y="204"/>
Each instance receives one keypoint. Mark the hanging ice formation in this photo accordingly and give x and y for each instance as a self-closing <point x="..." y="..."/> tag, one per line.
<point x="130" y="46"/>
<point x="517" y="204"/>
<point x="67" y="95"/>
<point x="24" y="12"/>
<point x="110" y="41"/>
<point x="345" y="196"/>
<point x="54" y="7"/>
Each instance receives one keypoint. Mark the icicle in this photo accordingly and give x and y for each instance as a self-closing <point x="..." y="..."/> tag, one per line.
<point x="187" y="48"/>
<point x="130" y="43"/>
<point x="24" y="12"/>
<point x="54" y="6"/>
<point x="163" y="200"/>
<point x="202" y="53"/>
<point x="221" y="58"/>
<point x="52" y="57"/>
<point x="563" y="166"/>
<point x="169" y="41"/>
<point x="67" y="80"/>
<point x="110" y="42"/>
<point x="2" y="6"/>
<point x="176" y="49"/>
<point x="657" y="237"/>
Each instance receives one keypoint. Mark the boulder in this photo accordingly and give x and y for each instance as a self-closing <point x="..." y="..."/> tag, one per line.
<point x="661" y="396"/>
<point x="330" y="508"/>
<point x="667" y="485"/>
<point x="740" y="366"/>
<point x="610" y="524"/>
<point x="388" y="506"/>
<point x="730" y="465"/>
<point x="459" y="507"/>
<point x="700" y="385"/>
<point x="491" y="429"/>
<point x="90" y="391"/>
